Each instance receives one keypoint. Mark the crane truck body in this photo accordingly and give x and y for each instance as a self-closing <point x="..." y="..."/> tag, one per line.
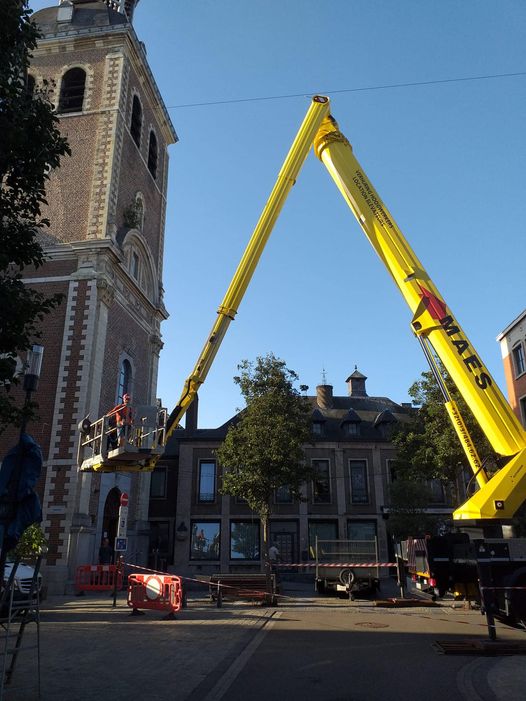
<point x="440" y="334"/>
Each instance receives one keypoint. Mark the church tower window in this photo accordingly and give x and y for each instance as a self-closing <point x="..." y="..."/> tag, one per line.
<point x="72" y="91"/>
<point x="125" y="379"/>
<point x="152" y="155"/>
<point x="136" y="121"/>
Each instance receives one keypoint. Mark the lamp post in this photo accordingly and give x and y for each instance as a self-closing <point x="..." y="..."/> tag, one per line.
<point x="32" y="371"/>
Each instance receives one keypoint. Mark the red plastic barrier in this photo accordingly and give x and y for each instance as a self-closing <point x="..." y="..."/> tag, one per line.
<point x="155" y="591"/>
<point x="97" y="577"/>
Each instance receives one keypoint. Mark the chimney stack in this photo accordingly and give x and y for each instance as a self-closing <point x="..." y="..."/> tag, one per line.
<point x="324" y="396"/>
<point x="191" y="415"/>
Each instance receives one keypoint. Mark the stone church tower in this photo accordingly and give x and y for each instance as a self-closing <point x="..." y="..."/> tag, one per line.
<point x="105" y="254"/>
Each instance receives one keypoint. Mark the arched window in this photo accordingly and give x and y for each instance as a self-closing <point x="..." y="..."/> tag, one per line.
<point x="136" y="121"/>
<point x="125" y="379"/>
<point x="72" y="91"/>
<point x="152" y="155"/>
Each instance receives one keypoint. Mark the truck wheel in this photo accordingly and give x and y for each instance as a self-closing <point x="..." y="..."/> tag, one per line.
<point x="346" y="577"/>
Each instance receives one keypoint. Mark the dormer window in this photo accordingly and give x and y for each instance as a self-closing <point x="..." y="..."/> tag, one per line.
<point x="136" y="121"/>
<point x="350" y="424"/>
<point x="72" y="91"/>
<point x="384" y="423"/>
<point x="351" y="429"/>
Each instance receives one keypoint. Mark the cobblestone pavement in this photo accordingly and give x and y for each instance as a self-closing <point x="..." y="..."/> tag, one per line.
<point x="91" y="651"/>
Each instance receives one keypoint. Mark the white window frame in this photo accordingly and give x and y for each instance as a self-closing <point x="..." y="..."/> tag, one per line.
<point x="519" y="348"/>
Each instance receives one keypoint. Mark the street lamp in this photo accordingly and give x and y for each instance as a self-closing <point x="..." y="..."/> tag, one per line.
<point x="32" y="371"/>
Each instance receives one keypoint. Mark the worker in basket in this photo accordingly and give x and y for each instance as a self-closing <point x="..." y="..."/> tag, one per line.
<point x="121" y="420"/>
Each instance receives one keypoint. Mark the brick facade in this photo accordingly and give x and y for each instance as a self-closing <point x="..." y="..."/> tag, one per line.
<point x="513" y="350"/>
<point x="111" y="311"/>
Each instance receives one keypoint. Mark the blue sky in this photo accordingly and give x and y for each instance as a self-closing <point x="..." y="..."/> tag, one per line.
<point x="447" y="156"/>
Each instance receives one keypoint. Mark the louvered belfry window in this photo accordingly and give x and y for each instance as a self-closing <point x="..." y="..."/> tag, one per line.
<point x="72" y="91"/>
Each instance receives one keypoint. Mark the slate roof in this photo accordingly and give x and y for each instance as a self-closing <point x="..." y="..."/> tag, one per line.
<point x="370" y="413"/>
<point x="86" y="15"/>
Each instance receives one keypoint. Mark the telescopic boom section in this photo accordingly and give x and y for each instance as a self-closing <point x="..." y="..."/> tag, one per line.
<point x="433" y="320"/>
<point x="297" y="154"/>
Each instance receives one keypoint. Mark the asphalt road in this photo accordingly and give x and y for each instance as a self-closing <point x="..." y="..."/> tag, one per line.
<point x="307" y="648"/>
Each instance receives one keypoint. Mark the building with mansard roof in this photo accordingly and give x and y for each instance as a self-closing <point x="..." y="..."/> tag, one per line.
<point x="197" y="531"/>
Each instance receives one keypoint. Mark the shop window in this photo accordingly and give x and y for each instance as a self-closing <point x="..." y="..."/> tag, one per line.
<point x="205" y="540"/>
<point x="361" y="530"/>
<point x="322" y="530"/>
<point x="244" y="540"/>
<point x="72" y="91"/>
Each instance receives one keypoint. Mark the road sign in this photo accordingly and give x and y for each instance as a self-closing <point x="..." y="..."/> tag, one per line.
<point x="124" y="499"/>
<point x="121" y="544"/>
<point x="123" y="522"/>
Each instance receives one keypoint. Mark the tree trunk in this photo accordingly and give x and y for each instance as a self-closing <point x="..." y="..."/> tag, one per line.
<point x="265" y="524"/>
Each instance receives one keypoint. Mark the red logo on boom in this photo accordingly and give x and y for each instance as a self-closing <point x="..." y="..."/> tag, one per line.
<point x="435" y="306"/>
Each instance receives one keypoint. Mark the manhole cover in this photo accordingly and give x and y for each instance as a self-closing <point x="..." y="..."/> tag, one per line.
<point x="371" y="624"/>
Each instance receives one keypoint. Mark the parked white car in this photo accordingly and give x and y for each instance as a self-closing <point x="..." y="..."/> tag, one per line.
<point x="23" y="577"/>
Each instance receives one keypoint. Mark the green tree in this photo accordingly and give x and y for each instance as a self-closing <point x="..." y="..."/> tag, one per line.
<point x="264" y="450"/>
<point x="30" y="148"/>
<point x="428" y="447"/>
<point x="32" y="543"/>
<point x="408" y="500"/>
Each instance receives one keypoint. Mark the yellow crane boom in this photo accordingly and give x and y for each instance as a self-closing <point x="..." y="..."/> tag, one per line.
<point x="500" y="496"/>
<point x="433" y="323"/>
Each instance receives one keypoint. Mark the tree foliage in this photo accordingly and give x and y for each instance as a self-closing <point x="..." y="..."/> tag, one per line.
<point x="30" y="148"/>
<point x="32" y="543"/>
<point x="264" y="450"/>
<point x="408" y="501"/>
<point x="428" y="447"/>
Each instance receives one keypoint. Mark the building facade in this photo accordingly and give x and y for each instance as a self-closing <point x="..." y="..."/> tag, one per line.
<point x="104" y="253"/>
<point x="513" y="350"/>
<point x="197" y="531"/>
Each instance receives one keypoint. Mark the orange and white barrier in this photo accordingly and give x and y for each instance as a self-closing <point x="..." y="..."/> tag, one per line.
<point x="98" y="578"/>
<point x="155" y="591"/>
